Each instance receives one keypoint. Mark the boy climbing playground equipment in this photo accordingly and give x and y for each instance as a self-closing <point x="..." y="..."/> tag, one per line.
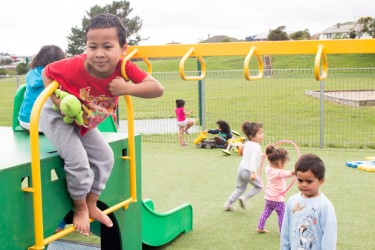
<point x="40" y="184"/>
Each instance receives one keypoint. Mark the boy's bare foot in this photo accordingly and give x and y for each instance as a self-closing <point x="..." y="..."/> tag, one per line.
<point x="263" y="231"/>
<point x="95" y="213"/>
<point x="81" y="217"/>
<point x="98" y="215"/>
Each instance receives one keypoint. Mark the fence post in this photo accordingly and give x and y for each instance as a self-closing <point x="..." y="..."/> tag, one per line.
<point x="201" y="99"/>
<point x="17" y="81"/>
<point x="321" y="112"/>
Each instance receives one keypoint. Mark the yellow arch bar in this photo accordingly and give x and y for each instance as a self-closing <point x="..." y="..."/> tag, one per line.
<point x="127" y="58"/>
<point x="247" y="62"/>
<point x="320" y="57"/>
<point x="182" y="67"/>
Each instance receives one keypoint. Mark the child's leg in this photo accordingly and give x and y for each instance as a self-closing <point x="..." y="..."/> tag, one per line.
<point x="264" y="216"/>
<point x="79" y="176"/>
<point x="189" y="124"/>
<point x="241" y="185"/>
<point x="181" y="135"/>
<point x="94" y="212"/>
<point x="255" y="190"/>
<point x="280" y="208"/>
<point x="100" y="157"/>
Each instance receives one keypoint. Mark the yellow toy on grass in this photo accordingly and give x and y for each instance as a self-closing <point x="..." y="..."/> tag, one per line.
<point x="234" y="144"/>
<point x="366" y="167"/>
<point x="201" y="137"/>
<point x="203" y="142"/>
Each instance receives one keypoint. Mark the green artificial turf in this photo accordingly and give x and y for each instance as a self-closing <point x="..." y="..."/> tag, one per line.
<point x="173" y="175"/>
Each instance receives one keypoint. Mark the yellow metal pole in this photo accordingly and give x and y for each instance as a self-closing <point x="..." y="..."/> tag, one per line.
<point x="131" y="145"/>
<point x="342" y="46"/>
<point x="131" y="140"/>
<point x="35" y="165"/>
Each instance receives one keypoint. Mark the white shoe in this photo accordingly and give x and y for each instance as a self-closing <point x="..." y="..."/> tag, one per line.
<point x="242" y="201"/>
<point x="229" y="206"/>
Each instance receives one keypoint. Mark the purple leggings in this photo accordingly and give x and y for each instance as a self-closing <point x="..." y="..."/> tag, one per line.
<point x="269" y="206"/>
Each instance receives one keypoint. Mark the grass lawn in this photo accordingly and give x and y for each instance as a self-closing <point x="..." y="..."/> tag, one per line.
<point x="174" y="175"/>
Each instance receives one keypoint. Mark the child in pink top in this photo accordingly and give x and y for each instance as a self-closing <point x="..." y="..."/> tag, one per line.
<point x="182" y="123"/>
<point x="274" y="194"/>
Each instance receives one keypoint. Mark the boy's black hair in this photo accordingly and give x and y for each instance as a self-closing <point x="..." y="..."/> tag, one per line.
<point x="224" y="126"/>
<point x="180" y="103"/>
<point x="106" y="21"/>
<point x="46" y="55"/>
<point x="313" y="163"/>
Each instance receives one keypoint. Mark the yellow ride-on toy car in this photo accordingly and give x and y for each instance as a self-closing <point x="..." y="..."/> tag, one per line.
<point x="203" y="142"/>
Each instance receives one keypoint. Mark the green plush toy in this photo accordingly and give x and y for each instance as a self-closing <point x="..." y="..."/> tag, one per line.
<point x="70" y="106"/>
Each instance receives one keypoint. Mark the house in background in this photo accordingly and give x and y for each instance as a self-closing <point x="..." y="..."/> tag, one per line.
<point x="343" y="31"/>
<point x="261" y="37"/>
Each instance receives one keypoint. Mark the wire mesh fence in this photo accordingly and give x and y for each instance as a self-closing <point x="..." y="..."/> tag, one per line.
<point x="337" y="112"/>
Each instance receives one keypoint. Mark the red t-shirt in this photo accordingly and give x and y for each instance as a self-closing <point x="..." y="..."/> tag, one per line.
<point x="97" y="101"/>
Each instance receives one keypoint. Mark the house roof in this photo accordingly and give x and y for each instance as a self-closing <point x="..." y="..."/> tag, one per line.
<point x="261" y="36"/>
<point x="220" y="38"/>
<point x="339" y="28"/>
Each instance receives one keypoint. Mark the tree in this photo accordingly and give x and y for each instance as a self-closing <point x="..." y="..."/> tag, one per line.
<point x="278" y="34"/>
<point x="6" y="61"/>
<point x="76" y="40"/>
<point x="21" y="69"/>
<point x="301" y="35"/>
<point x="352" y="34"/>
<point x="368" y="25"/>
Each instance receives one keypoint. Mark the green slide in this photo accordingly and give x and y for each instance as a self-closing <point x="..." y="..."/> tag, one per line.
<point x="160" y="228"/>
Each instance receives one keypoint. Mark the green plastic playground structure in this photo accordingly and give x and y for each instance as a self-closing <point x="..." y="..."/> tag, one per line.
<point x="160" y="228"/>
<point x="134" y="225"/>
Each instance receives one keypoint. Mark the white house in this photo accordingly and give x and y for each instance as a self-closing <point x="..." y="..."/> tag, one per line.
<point x="261" y="36"/>
<point x="342" y="31"/>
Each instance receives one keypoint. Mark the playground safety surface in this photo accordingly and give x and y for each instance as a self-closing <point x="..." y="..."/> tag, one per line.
<point x="355" y="98"/>
<point x="69" y="245"/>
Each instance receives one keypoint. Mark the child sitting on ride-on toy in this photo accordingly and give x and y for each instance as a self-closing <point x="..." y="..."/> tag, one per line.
<point x="223" y="133"/>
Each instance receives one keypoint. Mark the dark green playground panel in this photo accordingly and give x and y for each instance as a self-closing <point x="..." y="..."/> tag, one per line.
<point x="17" y="219"/>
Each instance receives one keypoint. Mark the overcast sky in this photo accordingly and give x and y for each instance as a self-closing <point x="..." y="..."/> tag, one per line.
<point x="27" y="25"/>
